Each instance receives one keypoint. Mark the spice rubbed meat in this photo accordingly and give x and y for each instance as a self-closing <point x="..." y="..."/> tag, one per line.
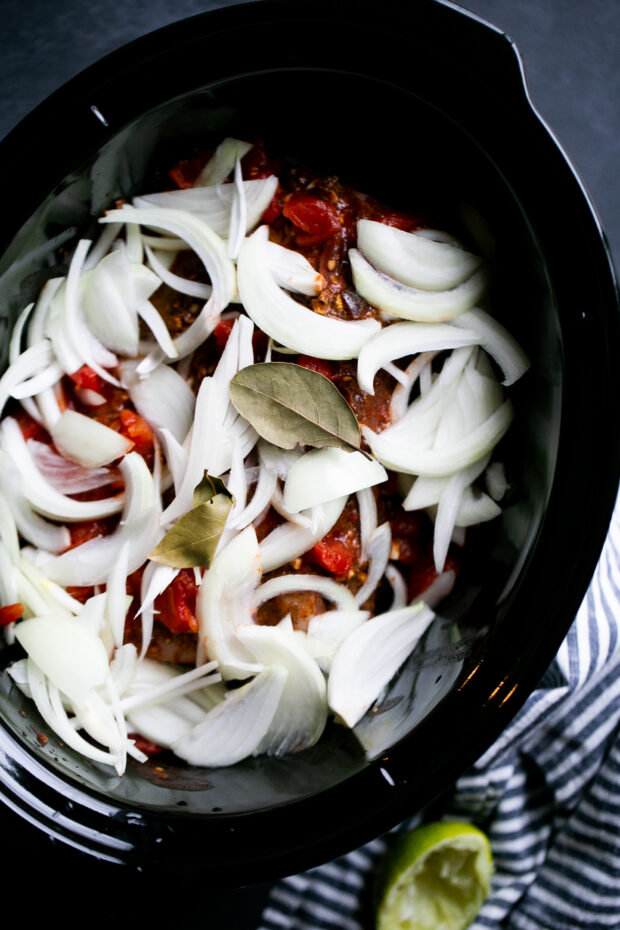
<point x="243" y="441"/>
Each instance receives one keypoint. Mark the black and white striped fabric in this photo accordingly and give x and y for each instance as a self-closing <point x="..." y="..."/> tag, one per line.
<point x="547" y="793"/>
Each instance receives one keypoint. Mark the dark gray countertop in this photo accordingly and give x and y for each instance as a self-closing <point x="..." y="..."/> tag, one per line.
<point x="570" y="50"/>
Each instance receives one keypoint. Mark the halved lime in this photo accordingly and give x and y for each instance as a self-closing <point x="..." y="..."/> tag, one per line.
<point x="435" y="878"/>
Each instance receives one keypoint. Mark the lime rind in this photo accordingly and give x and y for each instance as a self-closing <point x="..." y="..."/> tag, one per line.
<point x="436" y="878"/>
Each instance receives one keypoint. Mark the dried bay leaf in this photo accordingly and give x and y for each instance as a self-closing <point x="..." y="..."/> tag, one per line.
<point x="192" y="541"/>
<point x="287" y="404"/>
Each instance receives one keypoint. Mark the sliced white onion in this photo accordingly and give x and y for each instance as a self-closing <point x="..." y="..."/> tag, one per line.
<point x="155" y="322"/>
<point x="327" y="631"/>
<point x="40" y="494"/>
<point x="399" y="587"/>
<point x="302" y="711"/>
<point x="30" y="362"/>
<point x="370" y="657"/>
<point x="288" y="542"/>
<point x="445" y="461"/>
<point x="324" y="474"/>
<point x="402" y="339"/>
<point x="498" y="342"/>
<point x="402" y="391"/>
<point x="261" y="497"/>
<point x="437" y="590"/>
<point x="91" y="563"/>
<point x="410" y="303"/>
<point x="226" y="601"/>
<point x="235" y="728"/>
<point x="287" y="321"/>
<point x="415" y="260"/>
<point x="182" y="285"/>
<point x="110" y="296"/>
<point x="73" y="341"/>
<point x="475" y="507"/>
<point x="238" y="213"/>
<point x="164" y="399"/>
<point x="37" y="531"/>
<point x="68" y="477"/>
<point x="211" y="251"/>
<point x="222" y="162"/>
<point x="496" y="481"/>
<point x="378" y="552"/>
<point x="213" y="204"/>
<point x="339" y="594"/>
<point x="292" y="271"/>
<point x="86" y="441"/>
<point x="367" y="505"/>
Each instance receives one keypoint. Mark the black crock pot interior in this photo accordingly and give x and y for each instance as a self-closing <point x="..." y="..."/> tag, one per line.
<point x="433" y="144"/>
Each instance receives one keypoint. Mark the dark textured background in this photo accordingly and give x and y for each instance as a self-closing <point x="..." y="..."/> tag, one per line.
<point x="571" y="54"/>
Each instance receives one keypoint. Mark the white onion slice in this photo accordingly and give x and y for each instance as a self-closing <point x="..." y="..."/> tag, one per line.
<point x="40" y="494"/>
<point x="164" y="399"/>
<point x="402" y="339"/>
<point x="235" y="728"/>
<point x="370" y="657"/>
<point x="155" y="322"/>
<point x="378" y="552"/>
<point x="324" y="474"/>
<point x="212" y="205"/>
<point x="111" y="294"/>
<point x="292" y="271"/>
<point x="415" y="260"/>
<point x="302" y="711"/>
<point x="182" y="285"/>
<point x="261" y="497"/>
<point x="68" y="477"/>
<point x="30" y="362"/>
<point x="211" y="251"/>
<point x="439" y="463"/>
<point x="327" y="631"/>
<point x="402" y="391"/>
<point x="339" y="594"/>
<point x="86" y="441"/>
<point x="497" y="483"/>
<point x="222" y="162"/>
<point x="287" y="321"/>
<point x="498" y="342"/>
<point x="410" y="303"/>
<point x="238" y="213"/>
<point x="367" y="505"/>
<point x="91" y="563"/>
<point x="226" y="601"/>
<point x="399" y="587"/>
<point x="44" y="535"/>
<point x="288" y="542"/>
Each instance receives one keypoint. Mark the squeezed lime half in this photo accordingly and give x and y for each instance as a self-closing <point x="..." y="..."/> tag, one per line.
<point x="435" y="878"/>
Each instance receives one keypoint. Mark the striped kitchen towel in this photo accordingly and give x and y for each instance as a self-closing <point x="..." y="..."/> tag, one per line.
<point x="547" y="793"/>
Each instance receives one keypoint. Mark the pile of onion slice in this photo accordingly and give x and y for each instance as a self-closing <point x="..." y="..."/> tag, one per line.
<point x="254" y="689"/>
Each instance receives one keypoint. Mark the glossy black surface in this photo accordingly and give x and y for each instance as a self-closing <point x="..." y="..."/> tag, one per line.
<point x="459" y="84"/>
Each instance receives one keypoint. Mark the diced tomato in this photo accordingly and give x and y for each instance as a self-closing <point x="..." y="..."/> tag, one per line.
<point x="82" y="532"/>
<point x="423" y="573"/>
<point x="10" y="613"/>
<point x="30" y="429"/>
<point x="274" y="209"/>
<point x="87" y="379"/>
<point x="316" y="364"/>
<point x="185" y="172"/>
<point x="221" y="332"/>
<point x="333" y="555"/>
<point x="145" y="745"/>
<point x="258" y="164"/>
<point x="135" y="427"/>
<point x="317" y="219"/>
<point x="81" y="594"/>
<point x="176" y="605"/>
<point x="405" y="221"/>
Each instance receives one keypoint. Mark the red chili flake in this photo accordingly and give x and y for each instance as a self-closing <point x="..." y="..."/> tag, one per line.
<point x="316" y="364"/>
